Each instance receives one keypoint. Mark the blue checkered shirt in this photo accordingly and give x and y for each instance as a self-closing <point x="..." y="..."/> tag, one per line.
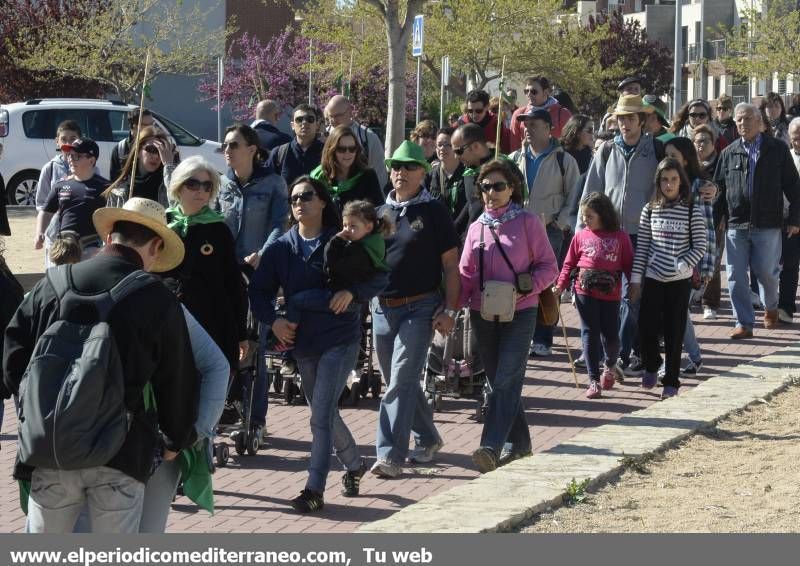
<point x="706" y="265"/>
<point x="753" y="150"/>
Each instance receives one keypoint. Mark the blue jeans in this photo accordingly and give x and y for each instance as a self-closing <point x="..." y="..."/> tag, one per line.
<point x="324" y="377"/>
<point x="260" y="385"/>
<point x="628" y="320"/>
<point x="114" y="500"/>
<point x="503" y="347"/>
<point x="544" y="334"/>
<point x="690" y="343"/>
<point x="760" y="249"/>
<point x="402" y="336"/>
<point x="599" y="332"/>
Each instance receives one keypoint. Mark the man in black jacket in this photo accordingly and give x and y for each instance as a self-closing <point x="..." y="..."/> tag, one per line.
<point x="267" y="115"/>
<point x="151" y="336"/>
<point x="755" y="173"/>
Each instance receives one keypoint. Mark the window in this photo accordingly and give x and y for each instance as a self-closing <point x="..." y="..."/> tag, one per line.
<point x="42" y="124"/>
<point x="181" y="136"/>
<point x="119" y="124"/>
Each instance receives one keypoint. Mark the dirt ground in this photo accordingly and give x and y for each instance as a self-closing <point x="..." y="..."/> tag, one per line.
<point x="741" y="476"/>
<point x="19" y="254"/>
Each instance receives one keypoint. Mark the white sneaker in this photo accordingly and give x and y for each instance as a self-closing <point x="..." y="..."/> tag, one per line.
<point x="425" y="454"/>
<point x="385" y="469"/>
<point x="540" y="350"/>
<point x="784" y="316"/>
<point x="709" y="314"/>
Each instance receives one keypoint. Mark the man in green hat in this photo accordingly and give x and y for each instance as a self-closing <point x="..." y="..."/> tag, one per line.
<point x="422" y="249"/>
<point x="656" y="123"/>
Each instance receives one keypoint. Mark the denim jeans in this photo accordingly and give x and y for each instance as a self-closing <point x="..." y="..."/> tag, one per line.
<point x="260" y="385"/>
<point x="402" y="337"/>
<point x="599" y="332"/>
<point x="690" y="343"/>
<point x="760" y="249"/>
<point x="544" y="334"/>
<point x="57" y="496"/>
<point x="628" y="320"/>
<point x="790" y="267"/>
<point x="503" y="347"/>
<point x="324" y="377"/>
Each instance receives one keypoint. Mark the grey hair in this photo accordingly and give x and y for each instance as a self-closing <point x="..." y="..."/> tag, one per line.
<point x="795" y="123"/>
<point x="185" y="170"/>
<point x="746" y="106"/>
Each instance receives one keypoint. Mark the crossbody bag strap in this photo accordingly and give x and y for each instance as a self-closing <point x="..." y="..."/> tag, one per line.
<point x="481" y="247"/>
<point x="502" y="251"/>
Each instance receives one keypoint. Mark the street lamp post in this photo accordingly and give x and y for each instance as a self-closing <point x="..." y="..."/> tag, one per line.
<point x="678" y="63"/>
<point x="299" y="20"/>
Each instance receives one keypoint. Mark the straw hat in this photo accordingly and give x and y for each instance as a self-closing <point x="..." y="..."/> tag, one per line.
<point x="631" y="104"/>
<point x="150" y="214"/>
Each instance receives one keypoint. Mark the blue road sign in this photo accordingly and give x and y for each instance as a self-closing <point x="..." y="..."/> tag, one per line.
<point x="417" y="36"/>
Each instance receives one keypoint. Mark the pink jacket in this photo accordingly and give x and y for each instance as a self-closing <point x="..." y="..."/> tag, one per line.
<point x="525" y="242"/>
<point x="607" y="251"/>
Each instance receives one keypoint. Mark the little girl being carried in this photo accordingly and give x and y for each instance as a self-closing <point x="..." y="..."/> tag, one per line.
<point x="599" y="253"/>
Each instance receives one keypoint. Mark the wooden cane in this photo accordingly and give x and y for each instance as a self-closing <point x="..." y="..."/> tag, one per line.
<point x="139" y="125"/>
<point x="566" y="342"/>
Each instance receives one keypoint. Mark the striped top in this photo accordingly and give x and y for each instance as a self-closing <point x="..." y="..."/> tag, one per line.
<point x="663" y="252"/>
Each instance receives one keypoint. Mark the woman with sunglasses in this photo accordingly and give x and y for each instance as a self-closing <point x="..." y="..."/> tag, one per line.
<point x="344" y="170"/>
<point x="444" y="180"/>
<point x="208" y="281"/>
<point x="326" y="343"/>
<point x="577" y="139"/>
<point x="506" y="244"/>
<point x="154" y="162"/>
<point x="693" y="114"/>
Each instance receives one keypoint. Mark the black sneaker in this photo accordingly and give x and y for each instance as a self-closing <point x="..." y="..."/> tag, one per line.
<point x="308" y="501"/>
<point x="351" y="480"/>
<point x="508" y="456"/>
<point x="636" y="367"/>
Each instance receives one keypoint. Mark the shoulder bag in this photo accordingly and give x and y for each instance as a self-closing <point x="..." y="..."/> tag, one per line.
<point x="499" y="298"/>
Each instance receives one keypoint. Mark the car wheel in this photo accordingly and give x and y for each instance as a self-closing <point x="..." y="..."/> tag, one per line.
<point x="21" y="188"/>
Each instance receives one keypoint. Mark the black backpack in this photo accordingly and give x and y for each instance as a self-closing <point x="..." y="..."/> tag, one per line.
<point x="72" y="395"/>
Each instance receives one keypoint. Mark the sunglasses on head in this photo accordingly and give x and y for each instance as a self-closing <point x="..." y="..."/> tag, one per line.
<point x="346" y="148"/>
<point x="497" y="187"/>
<point x="196" y="184"/>
<point x="232" y="145"/>
<point x="308" y="118"/>
<point x="150" y="148"/>
<point x="397" y="166"/>
<point x="305" y="196"/>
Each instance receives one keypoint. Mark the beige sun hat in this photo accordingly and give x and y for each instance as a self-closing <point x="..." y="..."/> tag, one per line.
<point x="631" y="104"/>
<point x="150" y="214"/>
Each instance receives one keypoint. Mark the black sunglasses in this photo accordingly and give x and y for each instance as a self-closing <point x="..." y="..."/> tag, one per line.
<point x="196" y="184"/>
<point x="150" y="148"/>
<point x="497" y="187"/>
<point x="305" y="196"/>
<point x="308" y="118"/>
<point x="234" y="145"/>
<point x="346" y="148"/>
<point x="460" y="150"/>
<point x="397" y="166"/>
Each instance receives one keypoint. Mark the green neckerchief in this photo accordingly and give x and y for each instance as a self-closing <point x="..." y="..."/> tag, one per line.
<point x="473" y="171"/>
<point x="375" y="246"/>
<point x="180" y="222"/>
<point x="196" y="476"/>
<point x="340" y="186"/>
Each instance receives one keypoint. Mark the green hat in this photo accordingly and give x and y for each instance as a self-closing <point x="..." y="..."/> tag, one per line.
<point x="409" y="152"/>
<point x="654" y="102"/>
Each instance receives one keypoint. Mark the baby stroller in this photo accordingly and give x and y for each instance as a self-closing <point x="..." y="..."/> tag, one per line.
<point x="453" y="367"/>
<point x="365" y="378"/>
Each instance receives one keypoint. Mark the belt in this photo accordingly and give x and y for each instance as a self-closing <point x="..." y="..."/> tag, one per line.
<point x="400" y="301"/>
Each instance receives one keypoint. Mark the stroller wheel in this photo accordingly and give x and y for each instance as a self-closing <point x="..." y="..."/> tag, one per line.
<point x="277" y="382"/>
<point x="240" y="441"/>
<point x="221" y="454"/>
<point x="253" y="442"/>
<point x="355" y="395"/>
<point x="375" y="384"/>
<point x="289" y="392"/>
<point x="363" y="383"/>
<point x="431" y="401"/>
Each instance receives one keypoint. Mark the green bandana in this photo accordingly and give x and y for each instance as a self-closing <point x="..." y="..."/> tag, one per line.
<point x="375" y="246"/>
<point x="180" y="222"/>
<point x="196" y="476"/>
<point x="340" y="186"/>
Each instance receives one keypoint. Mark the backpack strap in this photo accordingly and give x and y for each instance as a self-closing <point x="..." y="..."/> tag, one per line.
<point x="364" y="141"/>
<point x="605" y="152"/>
<point x="283" y="150"/>
<point x="560" y="160"/>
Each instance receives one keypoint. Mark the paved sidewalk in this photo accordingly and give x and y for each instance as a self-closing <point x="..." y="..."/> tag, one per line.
<point x="252" y="492"/>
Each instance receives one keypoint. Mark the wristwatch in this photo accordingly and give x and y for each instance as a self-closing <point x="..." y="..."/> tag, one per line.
<point x="451" y="313"/>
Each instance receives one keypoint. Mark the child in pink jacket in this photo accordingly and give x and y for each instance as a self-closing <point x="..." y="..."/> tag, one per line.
<point x="599" y="253"/>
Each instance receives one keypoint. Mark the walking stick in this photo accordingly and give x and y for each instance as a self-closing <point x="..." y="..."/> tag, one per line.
<point x="500" y="110"/>
<point x="566" y="342"/>
<point x="139" y="125"/>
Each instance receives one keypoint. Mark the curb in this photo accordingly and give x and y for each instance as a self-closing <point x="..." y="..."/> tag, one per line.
<point x="510" y="495"/>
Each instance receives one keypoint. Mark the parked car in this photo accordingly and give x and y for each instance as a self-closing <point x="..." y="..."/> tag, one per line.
<point x="28" y="131"/>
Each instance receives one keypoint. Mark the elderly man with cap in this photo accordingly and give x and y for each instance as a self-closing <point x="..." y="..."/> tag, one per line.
<point x="339" y="112"/>
<point x="630" y="86"/>
<point x="551" y="179"/>
<point x="624" y="169"/>
<point x="656" y="122"/>
<point x="422" y="253"/>
<point x="156" y="366"/>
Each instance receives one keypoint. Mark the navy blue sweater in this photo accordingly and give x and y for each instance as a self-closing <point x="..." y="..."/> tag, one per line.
<point x="283" y="266"/>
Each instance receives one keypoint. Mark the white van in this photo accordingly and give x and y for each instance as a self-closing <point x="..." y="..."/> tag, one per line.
<point x="28" y="132"/>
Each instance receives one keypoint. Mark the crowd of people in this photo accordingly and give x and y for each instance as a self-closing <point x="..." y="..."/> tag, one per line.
<point x="628" y="215"/>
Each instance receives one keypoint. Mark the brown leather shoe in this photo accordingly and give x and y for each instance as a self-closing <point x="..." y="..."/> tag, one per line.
<point x="771" y="318"/>
<point x="741" y="332"/>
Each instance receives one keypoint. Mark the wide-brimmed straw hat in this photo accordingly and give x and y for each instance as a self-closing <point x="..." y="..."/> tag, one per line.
<point x="631" y="104"/>
<point x="149" y="214"/>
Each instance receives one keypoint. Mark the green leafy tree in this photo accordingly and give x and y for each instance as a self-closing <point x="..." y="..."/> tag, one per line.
<point x="766" y="42"/>
<point x="109" y="47"/>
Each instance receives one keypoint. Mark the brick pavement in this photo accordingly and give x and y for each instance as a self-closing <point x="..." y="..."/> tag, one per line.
<point x="252" y="492"/>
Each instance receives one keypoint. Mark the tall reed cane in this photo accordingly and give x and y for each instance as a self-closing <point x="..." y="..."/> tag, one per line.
<point x="139" y="125"/>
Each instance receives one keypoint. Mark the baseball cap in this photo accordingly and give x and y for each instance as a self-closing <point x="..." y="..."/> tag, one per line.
<point x="660" y="107"/>
<point x="627" y="81"/>
<point x="83" y="145"/>
<point x="538" y="114"/>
